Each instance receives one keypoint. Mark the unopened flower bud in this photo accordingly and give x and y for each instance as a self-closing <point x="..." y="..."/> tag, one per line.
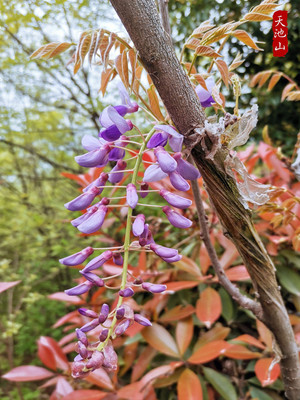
<point x="82" y="350"/>
<point x="79" y="289"/>
<point x="131" y="195"/>
<point x="95" y="279"/>
<point x="103" y="313"/>
<point x="175" y="200"/>
<point x="163" y="251"/>
<point x="88" y="313"/>
<point x="94" y="222"/>
<point x="138" y="225"/>
<point x="144" y="190"/>
<point x="165" y="160"/>
<point x="101" y="181"/>
<point x="81" y="336"/>
<point x="90" y="325"/>
<point x="95" y="361"/>
<point x="128" y="292"/>
<point x="178" y="181"/>
<point x="115" y="176"/>
<point x="142" y="320"/>
<point x="186" y="169"/>
<point x="103" y="335"/>
<point x="176" y="219"/>
<point x="77" y="258"/>
<point x="118" y="259"/>
<point x="154" y="288"/>
<point x="122" y="327"/>
<point x="83" y="201"/>
<point x="120" y="312"/>
<point x="97" y="262"/>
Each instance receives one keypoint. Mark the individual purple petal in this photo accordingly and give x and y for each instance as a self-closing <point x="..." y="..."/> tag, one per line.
<point x="176" y="219"/>
<point x="91" y="143"/>
<point x="103" y="335"/>
<point x="158" y="139"/>
<point x="170" y="260"/>
<point x="175" y="200"/>
<point x="154" y="173"/>
<point x="94" y="222"/>
<point x="146" y="237"/>
<point x="165" y="160"/>
<point x="178" y="181"/>
<point x="186" y="169"/>
<point x="110" y="134"/>
<point x="103" y="313"/>
<point x="131" y="195"/>
<point x="97" y="262"/>
<point x="144" y="190"/>
<point x="81" y="336"/>
<point x="154" y="288"/>
<point x="131" y="105"/>
<point x="101" y="181"/>
<point x="95" y="279"/>
<point x="204" y="96"/>
<point x="120" y="313"/>
<point x="77" y="258"/>
<point x="175" y="138"/>
<point x="95" y="361"/>
<point x="128" y="292"/>
<point x="78" y="370"/>
<point x="94" y="158"/>
<point x="110" y="117"/>
<point x="117" y="153"/>
<point x="83" y="201"/>
<point x="90" y="325"/>
<point x="122" y="327"/>
<point x="163" y="251"/>
<point x="142" y="320"/>
<point x="118" y="259"/>
<point x="79" y="289"/>
<point x="115" y="176"/>
<point x="138" y="225"/>
<point x="78" y="357"/>
<point x="87" y="313"/>
<point x="77" y="221"/>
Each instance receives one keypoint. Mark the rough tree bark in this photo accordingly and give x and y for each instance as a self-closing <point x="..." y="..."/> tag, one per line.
<point x="141" y="20"/>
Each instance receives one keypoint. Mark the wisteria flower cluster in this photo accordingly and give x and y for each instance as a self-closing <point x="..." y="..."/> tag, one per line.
<point x="111" y="147"/>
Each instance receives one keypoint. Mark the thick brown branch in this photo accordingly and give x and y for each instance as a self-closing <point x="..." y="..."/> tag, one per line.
<point x="141" y="20"/>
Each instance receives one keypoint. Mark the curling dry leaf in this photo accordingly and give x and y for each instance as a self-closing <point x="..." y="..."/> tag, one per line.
<point x="294" y="95"/>
<point x="206" y="51"/>
<point x="223" y="68"/>
<point x="51" y="50"/>
<point x="287" y="90"/>
<point x="275" y="78"/>
<point x="245" y="38"/>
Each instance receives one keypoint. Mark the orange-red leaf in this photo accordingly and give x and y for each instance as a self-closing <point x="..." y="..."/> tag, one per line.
<point x="250" y="340"/>
<point x="189" y="386"/>
<point x="275" y="78"/>
<point x="184" y="334"/>
<point x="160" y="339"/>
<point x="142" y="363"/>
<point x="244" y="37"/>
<point x="287" y="90"/>
<point x="177" y="313"/>
<point x="209" y="306"/>
<point x="264" y="334"/>
<point x="223" y="68"/>
<point x="154" y="103"/>
<point x="206" y="51"/>
<point x="218" y="332"/>
<point x="27" y="373"/>
<point x="209" y="352"/>
<point x="51" y="50"/>
<point x="180" y="285"/>
<point x="48" y="347"/>
<point x="264" y="373"/>
<point x="85" y="394"/>
<point x="188" y="265"/>
<point x="239" y="352"/>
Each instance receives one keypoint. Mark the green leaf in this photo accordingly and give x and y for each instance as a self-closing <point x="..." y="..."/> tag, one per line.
<point x="259" y="394"/>
<point x="220" y="383"/>
<point x="228" y="310"/>
<point x="289" y="279"/>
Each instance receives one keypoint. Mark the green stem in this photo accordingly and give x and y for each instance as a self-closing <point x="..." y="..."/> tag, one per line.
<point x="127" y="238"/>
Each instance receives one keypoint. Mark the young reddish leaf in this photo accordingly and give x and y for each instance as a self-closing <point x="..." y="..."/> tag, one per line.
<point x="264" y="334"/>
<point x="27" y="373"/>
<point x="180" y="285"/>
<point x="188" y="265"/>
<point x="223" y="68"/>
<point x="264" y="374"/>
<point x="189" y="386"/>
<point x="209" y="306"/>
<point x="85" y="394"/>
<point x="275" y="78"/>
<point x="230" y="254"/>
<point x="244" y="37"/>
<point x="159" y="372"/>
<point x="47" y="344"/>
<point x="287" y="90"/>
<point x="129" y="355"/>
<point x="154" y="103"/>
<point x="142" y="363"/>
<point x="46" y="356"/>
<point x="239" y="352"/>
<point x="204" y="259"/>
<point x="67" y="339"/>
<point x="131" y="391"/>
<point x="63" y="387"/>
<point x="206" y="51"/>
<point x="238" y="273"/>
<point x="100" y="378"/>
<point x="177" y="313"/>
<point x="66" y="318"/>
<point x="160" y="339"/>
<point x="184" y="334"/>
<point x="250" y="340"/>
<point x="219" y="332"/>
<point x="61" y="296"/>
<point x="209" y="352"/>
<point x="7" y="285"/>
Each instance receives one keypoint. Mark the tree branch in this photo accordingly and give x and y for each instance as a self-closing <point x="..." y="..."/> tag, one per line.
<point x="141" y="20"/>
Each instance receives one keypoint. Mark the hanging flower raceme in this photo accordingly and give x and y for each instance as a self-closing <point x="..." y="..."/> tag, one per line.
<point x="111" y="148"/>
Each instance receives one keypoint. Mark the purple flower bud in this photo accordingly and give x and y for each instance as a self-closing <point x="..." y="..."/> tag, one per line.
<point x="81" y="336"/>
<point x="128" y="292"/>
<point x="95" y="279"/>
<point x="88" y="313"/>
<point x="95" y="361"/>
<point x="101" y="181"/>
<point x="165" y="161"/>
<point x="118" y="259"/>
<point x="154" y="173"/>
<point x="154" y="288"/>
<point x="158" y="139"/>
<point x="115" y="176"/>
<point x="128" y="106"/>
<point x="138" y="225"/>
<point x="178" y="181"/>
<point x="131" y="195"/>
<point x="162" y="251"/>
<point x="77" y="221"/>
<point x="94" y="158"/>
<point x="94" y="222"/>
<point x="104" y="201"/>
<point x="142" y="320"/>
<point x="103" y="335"/>
<point x="172" y="259"/>
<point x="144" y="190"/>
<point x="77" y="258"/>
<point x="77" y="369"/>
<point x="90" y="325"/>
<point x="83" y="201"/>
<point x="79" y="289"/>
<point x="205" y="97"/>
<point x="122" y="327"/>
<point x="97" y="262"/>
<point x="120" y="312"/>
<point x="138" y="281"/>
<point x="103" y="313"/>
<point x="82" y="350"/>
<point x="174" y="199"/>
<point x="176" y="219"/>
<point x="175" y="139"/>
<point x="78" y="358"/>
<point x="146" y="237"/>
<point x="116" y="153"/>
<point x="186" y="169"/>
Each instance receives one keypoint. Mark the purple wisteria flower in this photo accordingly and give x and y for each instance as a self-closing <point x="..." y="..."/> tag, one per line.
<point x="83" y="201"/>
<point x="138" y="225"/>
<point x="154" y="173"/>
<point x="175" y="139"/>
<point x="94" y="222"/>
<point x="179" y="182"/>
<point x="165" y="160"/>
<point x="114" y="124"/>
<point x="127" y="105"/>
<point x="115" y="176"/>
<point x="175" y="200"/>
<point x="158" y="139"/>
<point x="186" y="169"/>
<point x="101" y="181"/>
<point x="205" y="96"/>
<point x="176" y="219"/>
<point x="97" y="262"/>
<point x="79" y="289"/>
<point x="117" y="153"/>
<point x="94" y="158"/>
<point x="131" y="195"/>
<point x="77" y="258"/>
